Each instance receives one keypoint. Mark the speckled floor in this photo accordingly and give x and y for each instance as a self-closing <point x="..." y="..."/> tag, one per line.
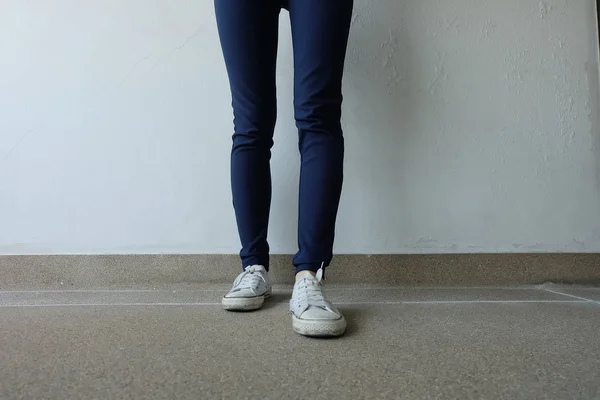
<point x="456" y="343"/>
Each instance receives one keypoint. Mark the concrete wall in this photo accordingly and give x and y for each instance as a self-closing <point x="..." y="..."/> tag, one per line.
<point x="471" y="126"/>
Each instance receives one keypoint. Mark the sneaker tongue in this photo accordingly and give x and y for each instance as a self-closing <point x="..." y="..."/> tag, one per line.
<point x="320" y="274"/>
<point x="255" y="268"/>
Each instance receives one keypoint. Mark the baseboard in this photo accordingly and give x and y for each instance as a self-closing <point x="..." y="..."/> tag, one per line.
<point x="46" y="272"/>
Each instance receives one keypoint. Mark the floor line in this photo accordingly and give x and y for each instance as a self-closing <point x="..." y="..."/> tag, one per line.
<point x="277" y="287"/>
<point x="425" y="288"/>
<point x="340" y="303"/>
<point x="571" y="295"/>
<point x="108" y="305"/>
<point x="107" y="291"/>
<point x="468" y="302"/>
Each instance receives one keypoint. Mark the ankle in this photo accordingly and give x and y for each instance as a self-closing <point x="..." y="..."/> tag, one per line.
<point x="303" y="274"/>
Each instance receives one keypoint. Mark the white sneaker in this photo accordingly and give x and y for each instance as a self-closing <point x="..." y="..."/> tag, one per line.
<point x="312" y="314"/>
<point x="249" y="291"/>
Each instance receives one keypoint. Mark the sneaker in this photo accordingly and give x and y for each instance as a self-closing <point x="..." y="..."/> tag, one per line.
<point x="312" y="314"/>
<point x="249" y="291"/>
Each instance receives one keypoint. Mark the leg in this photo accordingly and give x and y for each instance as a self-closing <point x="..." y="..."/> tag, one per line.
<point x="320" y="34"/>
<point x="248" y="31"/>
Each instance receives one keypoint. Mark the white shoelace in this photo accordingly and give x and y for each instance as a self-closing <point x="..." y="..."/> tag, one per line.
<point x="310" y="290"/>
<point x="250" y="279"/>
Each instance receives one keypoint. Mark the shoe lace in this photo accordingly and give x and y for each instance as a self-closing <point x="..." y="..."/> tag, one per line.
<point x="250" y="278"/>
<point x="312" y="291"/>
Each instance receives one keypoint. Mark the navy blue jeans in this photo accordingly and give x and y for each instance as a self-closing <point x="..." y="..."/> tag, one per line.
<point x="248" y="30"/>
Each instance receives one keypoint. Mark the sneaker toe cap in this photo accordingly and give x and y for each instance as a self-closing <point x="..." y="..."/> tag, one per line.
<point x="321" y="313"/>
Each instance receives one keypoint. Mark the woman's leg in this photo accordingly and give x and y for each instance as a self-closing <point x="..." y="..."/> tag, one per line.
<point x="320" y="35"/>
<point x="248" y="31"/>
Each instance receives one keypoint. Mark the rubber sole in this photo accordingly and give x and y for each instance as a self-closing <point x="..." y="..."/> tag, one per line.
<point x="244" y="303"/>
<point x="319" y="328"/>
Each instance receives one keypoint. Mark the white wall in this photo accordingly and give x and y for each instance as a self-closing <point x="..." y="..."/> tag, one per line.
<point x="472" y="125"/>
